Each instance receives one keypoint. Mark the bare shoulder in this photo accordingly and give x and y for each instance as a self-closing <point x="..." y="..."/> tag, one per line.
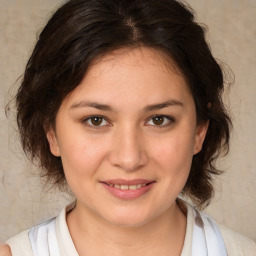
<point x="237" y="244"/>
<point x="5" y="250"/>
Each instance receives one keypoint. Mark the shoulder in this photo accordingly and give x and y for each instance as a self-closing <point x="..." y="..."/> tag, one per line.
<point x="20" y="245"/>
<point x="236" y="243"/>
<point x="5" y="250"/>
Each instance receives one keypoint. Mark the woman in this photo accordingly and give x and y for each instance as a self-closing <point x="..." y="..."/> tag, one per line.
<point x="121" y="101"/>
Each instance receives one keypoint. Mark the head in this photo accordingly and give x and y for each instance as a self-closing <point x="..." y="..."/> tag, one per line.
<point x="82" y="33"/>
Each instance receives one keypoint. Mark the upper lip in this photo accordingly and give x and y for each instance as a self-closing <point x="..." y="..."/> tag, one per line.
<point x="127" y="182"/>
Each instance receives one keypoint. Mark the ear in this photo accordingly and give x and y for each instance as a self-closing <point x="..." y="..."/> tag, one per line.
<point x="53" y="142"/>
<point x="201" y="131"/>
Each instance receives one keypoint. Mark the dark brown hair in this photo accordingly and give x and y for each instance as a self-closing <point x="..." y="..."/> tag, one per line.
<point x="81" y="31"/>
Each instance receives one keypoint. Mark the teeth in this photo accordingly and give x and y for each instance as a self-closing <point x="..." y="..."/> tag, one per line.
<point x="133" y="187"/>
<point x="125" y="187"/>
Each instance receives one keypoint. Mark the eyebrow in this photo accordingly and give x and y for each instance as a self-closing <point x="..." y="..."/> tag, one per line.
<point x="82" y="104"/>
<point x="163" y="105"/>
<point x="104" y="107"/>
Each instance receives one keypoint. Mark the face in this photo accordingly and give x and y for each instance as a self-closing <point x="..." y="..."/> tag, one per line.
<point x="126" y="136"/>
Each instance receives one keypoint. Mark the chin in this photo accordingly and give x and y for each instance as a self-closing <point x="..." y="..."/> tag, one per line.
<point x="129" y="223"/>
<point x="129" y="219"/>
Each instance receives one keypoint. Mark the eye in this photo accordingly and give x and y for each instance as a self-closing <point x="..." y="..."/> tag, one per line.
<point x="96" y="121"/>
<point x="160" y="121"/>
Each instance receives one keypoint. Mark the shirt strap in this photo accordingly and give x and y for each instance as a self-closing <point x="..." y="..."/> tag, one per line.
<point x="207" y="239"/>
<point x="43" y="239"/>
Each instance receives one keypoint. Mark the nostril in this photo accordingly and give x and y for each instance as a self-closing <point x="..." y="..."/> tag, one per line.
<point x="128" y="161"/>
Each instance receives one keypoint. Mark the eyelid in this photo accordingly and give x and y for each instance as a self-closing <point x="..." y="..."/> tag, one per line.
<point x="86" y="119"/>
<point x="170" y="118"/>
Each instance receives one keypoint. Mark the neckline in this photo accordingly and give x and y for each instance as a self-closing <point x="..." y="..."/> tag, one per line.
<point x="67" y="246"/>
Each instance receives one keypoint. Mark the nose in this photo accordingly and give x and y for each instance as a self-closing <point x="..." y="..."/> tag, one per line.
<point x="128" y="150"/>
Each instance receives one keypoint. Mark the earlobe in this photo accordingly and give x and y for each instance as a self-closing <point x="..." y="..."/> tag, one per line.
<point x="201" y="131"/>
<point x="53" y="142"/>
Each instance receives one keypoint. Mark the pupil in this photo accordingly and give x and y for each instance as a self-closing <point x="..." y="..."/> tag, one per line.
<point x="158" y="120"/>
<point x="96" y="121"/>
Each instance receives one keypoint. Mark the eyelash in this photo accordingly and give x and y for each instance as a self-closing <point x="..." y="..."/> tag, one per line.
<point x="170" y="120"/>
<point x="89" y="119"/>
<point x="167" y="119"/>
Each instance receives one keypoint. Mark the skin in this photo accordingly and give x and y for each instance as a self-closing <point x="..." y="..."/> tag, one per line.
<point x="128" y="143"/>
<point x="5" y="250"/>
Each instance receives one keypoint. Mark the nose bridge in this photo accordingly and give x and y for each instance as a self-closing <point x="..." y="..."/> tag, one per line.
<point x="128" y="151"/>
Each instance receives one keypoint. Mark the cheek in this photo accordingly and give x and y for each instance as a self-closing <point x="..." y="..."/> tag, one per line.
<point x="174" y="159"/>
<point x="81" y="155"/>
<point x="174" y="151"/>
<point x="81" y="160"/>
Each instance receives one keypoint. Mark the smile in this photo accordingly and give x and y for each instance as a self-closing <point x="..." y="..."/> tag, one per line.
<point x="126" y="187"/>
<point x="128" y="190"/>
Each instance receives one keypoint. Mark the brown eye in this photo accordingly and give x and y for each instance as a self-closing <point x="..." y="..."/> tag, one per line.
<point x="96" y="121"/>
<point x="158" y="120"/>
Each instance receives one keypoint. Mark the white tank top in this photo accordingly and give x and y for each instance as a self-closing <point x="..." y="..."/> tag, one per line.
<point x="207" y="239"/>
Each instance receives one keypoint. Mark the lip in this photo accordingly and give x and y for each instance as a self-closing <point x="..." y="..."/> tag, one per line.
<point x="127" y="182"/>
<point x="128" y="194"/>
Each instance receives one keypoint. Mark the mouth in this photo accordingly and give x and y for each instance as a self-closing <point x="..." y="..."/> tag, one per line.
<point x="128" y="189"/>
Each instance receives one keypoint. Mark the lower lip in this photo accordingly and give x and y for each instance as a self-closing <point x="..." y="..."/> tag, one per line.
<point x="128" y="194"/>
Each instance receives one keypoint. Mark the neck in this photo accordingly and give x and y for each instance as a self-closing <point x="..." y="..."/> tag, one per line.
<point x="159" y="236"/>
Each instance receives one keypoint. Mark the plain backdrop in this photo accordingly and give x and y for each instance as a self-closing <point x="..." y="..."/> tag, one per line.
<point x="232" y="36"/>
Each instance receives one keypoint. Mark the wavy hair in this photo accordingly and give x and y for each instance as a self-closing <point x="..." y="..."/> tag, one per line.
<point x="81" y="31"/>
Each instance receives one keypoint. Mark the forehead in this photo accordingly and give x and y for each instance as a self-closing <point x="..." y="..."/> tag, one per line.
<point x="132" y="72"/>
<point x="135" y="57"/>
